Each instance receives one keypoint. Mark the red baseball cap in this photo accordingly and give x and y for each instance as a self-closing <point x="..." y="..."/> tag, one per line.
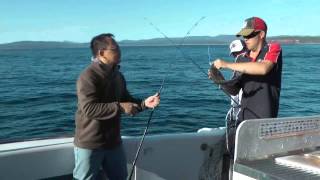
<point x="252" y="24"/>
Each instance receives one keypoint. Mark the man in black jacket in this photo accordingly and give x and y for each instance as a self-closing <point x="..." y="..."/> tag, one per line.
<point x="102" y="97"/>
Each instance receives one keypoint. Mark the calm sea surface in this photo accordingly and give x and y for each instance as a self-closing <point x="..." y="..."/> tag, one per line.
<point x="38" y="99"/>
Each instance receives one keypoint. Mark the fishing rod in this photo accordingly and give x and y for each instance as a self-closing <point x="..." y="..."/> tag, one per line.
<point x="188" y="57"/>
<point x="153" y="109"/>
<point x="143" y="136"/>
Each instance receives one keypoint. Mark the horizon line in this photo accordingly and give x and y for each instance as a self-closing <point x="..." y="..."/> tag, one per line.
<point x="78" y="42"/>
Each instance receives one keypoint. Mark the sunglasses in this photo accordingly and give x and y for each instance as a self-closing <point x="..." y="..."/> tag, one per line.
<point x="253" y="34"/>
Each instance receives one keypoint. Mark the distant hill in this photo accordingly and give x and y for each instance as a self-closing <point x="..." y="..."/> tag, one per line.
<point x="192" y="40"/>
<point x="42" y="45"/>
<point x="296" y="39"/>
<point x="221" y="39"/>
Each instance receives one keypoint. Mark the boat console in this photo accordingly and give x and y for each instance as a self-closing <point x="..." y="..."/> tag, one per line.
<point x="282" y="148"/>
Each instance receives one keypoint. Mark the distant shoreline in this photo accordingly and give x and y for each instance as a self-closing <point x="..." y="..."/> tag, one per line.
<point x="224" y="44"/>
<point x="145" y="45"/>
<point x="157" y="42"/>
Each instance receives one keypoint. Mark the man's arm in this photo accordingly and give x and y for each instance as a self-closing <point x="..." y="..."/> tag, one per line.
<point x="89" y="102"/>
<point x="253" y="68"/>
<point x="149" y="102"/>
<point x="139" y="103"/>
<point x="261" y="67"/>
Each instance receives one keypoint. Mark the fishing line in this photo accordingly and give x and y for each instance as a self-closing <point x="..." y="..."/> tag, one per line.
<point x="188" y="33"/>
<point x="188" y="57"/>
<point x="209" y="56"/>
<point x="159" y="92"/>
<point x="178" y="47"/>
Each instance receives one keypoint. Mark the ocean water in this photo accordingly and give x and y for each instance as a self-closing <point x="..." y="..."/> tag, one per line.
<point x="38" y="95"/>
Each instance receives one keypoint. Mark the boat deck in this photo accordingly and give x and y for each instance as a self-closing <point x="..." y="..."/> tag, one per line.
<point x="268" y="169"/>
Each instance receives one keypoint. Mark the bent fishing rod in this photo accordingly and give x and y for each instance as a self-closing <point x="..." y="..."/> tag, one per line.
<point x="188" y="57"/>
<point x="158" y="93"/>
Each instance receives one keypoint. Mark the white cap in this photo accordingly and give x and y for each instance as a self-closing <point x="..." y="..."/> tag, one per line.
<point x="236" y="46"/>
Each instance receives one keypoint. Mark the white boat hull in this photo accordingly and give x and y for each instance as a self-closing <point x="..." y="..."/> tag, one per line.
<point x="186" y="156"/>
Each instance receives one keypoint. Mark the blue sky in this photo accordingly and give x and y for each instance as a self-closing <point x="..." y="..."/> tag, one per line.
<point x="80" y="20"/>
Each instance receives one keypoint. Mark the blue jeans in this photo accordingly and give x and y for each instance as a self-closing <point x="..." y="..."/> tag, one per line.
<point x="89" y="162"/>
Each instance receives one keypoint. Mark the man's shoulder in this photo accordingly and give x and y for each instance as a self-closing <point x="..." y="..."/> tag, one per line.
<point x="274" y="46"/>
<point x="89" y="72"/>
<point x="271" y="52"/>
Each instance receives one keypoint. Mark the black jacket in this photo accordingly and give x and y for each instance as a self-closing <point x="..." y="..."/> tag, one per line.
<point x="261" y="94"/>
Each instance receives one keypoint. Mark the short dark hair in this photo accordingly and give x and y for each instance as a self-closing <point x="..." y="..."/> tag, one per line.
<point x="99" y="42"/>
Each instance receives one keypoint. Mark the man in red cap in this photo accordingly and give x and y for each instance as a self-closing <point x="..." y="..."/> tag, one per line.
<point x="260" y="78"/>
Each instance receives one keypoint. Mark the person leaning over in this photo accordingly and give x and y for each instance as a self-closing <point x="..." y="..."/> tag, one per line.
<point x="102" y="98"/>
<point x="237" y="50"/>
